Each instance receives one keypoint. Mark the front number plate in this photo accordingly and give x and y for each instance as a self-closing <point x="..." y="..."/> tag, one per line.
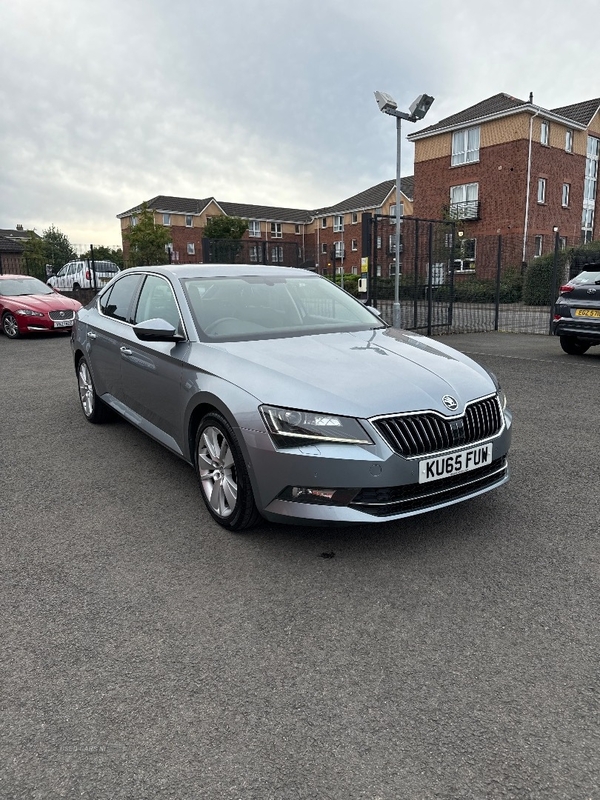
<point x="63" y="323"/>
<point x="434" y="469"/>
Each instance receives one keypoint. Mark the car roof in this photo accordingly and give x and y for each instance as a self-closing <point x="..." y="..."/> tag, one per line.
<point x="12" y="276"/>
<point x="223" y="270"/>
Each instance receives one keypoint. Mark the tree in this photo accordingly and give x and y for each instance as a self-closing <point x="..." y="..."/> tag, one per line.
<point x="227" y="231"/>
<point x="52" y="247"/>
<point x="147" y="241"/>
<point x="225" y="228"/>
<point x="102" y="253"/>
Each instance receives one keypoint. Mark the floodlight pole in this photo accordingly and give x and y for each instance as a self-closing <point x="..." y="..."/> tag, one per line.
<point x="418" y="110"/>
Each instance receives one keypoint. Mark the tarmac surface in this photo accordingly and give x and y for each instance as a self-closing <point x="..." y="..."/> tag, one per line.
<point x="147" y="653"/>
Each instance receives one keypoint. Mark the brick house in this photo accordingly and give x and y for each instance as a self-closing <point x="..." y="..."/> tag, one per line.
<point x="507" y="166"/>
<point x="324" y="237"/>
<point x="12" y="245"/>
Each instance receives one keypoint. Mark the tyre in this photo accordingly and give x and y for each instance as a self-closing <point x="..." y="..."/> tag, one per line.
<point x="224" y="479"/>
<point x="76" y="287"/>
<point x="10" y="326"/>
<point x="93" y="408"/>
<point x="573" y="346"/>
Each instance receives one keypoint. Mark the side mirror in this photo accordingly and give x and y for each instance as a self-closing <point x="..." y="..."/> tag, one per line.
<point x="374" y="310"/>
<point x="156" y="330"/>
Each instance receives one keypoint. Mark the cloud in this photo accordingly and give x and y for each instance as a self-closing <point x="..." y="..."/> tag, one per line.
<point x="105" y="104"/>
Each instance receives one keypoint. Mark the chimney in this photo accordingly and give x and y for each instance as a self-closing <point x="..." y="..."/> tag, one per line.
<point x="531" y="97"/>
<point x="19" y="227"/>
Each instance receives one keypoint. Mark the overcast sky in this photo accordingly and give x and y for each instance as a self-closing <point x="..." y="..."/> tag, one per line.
<point x="105" y="103"/>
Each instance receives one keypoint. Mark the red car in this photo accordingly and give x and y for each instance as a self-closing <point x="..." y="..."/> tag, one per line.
<point x="28" y="305"/>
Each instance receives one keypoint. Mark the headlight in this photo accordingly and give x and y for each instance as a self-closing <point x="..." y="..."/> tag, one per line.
<point x="291" y="428"/>
<point x="499" y="390"/>
<point x="26" y="312"/>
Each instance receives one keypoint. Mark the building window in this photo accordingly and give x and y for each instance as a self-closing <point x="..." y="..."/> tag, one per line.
<point x="254" y="249"/>
<point x="134" y="222"/>
<point x="355" y="270"/>
<point x="393" y="212"/>
<point x="189" y="221"/>
<point x="464" y="201"/>
<point x="378" y="270"/>
<point x="324" y="248"/>
<point x="379" y="242"/>
<point x="541" y="194"/>
<point x="562" y="242"/>
<point x="254" y="228"/>
<point x="569" y="141"/>
<point x="339" y="249"/>
<point x="538" y="246"/>
<point x="354" y="217"/>
<point x="465" y="146"/>
<point x="191" y="249"/>
<point x="297" y="229"/>
<point x="354" y="244"/>
<point x="590" y="188"/>
<point x="565" y="194"/>
<point x="166" y="219"/>
<point x="465" y="250"/>
<point x="277" y="254"/>
<point x="338" y="223"/>
<point x="545" y="132"/>
<point x="324" y="222"/>
<point x="276" y="230"/>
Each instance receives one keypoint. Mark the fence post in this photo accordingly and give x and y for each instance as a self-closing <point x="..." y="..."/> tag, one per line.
<point x="93" y="260"/>
<point x="451" y="275"/>
<point x="430" y="278"/>
<point x="498" y="276"/>
<point x="553" y="288"/>
<point x="416" y="271"/>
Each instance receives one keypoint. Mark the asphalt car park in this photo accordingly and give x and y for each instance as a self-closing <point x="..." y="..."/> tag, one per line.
<point x="149" y="653"/>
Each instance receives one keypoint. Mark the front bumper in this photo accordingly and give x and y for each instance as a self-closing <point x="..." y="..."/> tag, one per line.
<point x="386" y="484"/>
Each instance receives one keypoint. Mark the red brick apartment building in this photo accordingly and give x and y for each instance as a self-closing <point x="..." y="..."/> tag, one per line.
<point x="326" y="236"/>
<point x="508" y="166"/>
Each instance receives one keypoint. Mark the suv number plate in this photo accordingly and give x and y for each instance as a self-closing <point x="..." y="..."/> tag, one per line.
<point x="434" y="469"/>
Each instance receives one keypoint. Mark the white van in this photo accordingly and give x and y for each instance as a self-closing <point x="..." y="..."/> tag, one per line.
<point x="78" y="275"/>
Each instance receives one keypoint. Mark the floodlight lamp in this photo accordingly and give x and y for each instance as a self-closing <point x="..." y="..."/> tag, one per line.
<point x="421" y="106"/>
<point x="385" y="102"/>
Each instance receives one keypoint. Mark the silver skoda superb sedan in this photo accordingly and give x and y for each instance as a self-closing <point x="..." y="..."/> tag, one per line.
<point x="290" y="398"/>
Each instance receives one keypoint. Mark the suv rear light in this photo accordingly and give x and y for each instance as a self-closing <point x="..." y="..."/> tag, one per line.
<point x="87" y="275"/>
<point x="566" y="288"/>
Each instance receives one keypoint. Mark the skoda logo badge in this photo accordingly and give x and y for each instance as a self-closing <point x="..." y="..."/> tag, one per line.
<point x="450" y="403"/>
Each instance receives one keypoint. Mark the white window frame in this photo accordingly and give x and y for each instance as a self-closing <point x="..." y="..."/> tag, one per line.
<point x="277" y="254"/>
<point x="254" y="248"/>
<point x="339" y="249"/>
<point x="460" y="196"/>
<point x="465" y="146"/>
<point x="166" y="220"/>
<point x="297" y="229"/>
<point x="191" y="249"/>
<point x="323" y="248"/>
<point x="354" y="217"/>
<point x="541" y="190"/>
<point x="324" y="222"/>
<point x="134" y="222"/>
<point x="379" y="242"/>
<point x="338" y="223"/>
<point x="355" y="270"/>
<point x="569" y="140"/>
<point x="545" y="133"/>
<point x="189" y="224"/>
<point x="276" y="231"/>
<point x="566" y="191"/>
<point x="254" y="229"/>
<point x="354" y="245"/>
<point x="538" y="247"/>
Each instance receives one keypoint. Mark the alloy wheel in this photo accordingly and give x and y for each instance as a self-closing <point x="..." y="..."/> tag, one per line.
<point x="11" y="328"/>
<point x="86" y="389"/>
<point x="217" y="471"/>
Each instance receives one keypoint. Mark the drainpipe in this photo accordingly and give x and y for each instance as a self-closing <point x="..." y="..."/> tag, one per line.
<point x="526" y="224"/>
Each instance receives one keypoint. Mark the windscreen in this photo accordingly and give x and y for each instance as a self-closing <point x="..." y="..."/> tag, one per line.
<point x="15" y="287"/>
<point x="256" y="307"/>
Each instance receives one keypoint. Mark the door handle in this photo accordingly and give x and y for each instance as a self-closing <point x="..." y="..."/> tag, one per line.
<point x="126" y="351"/>
<point x="92" y="335"/>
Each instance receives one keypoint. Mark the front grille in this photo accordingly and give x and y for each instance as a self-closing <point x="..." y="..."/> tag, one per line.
<point x="417" y="434"/>
<point x="61" y="314"/>
<point x="418" y="496"/>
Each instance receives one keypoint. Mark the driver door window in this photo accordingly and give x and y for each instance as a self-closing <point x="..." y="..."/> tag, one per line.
<point x="157" y="301"/>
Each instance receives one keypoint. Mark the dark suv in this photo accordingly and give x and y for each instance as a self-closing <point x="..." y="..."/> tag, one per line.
<point x="577" y="312"/>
